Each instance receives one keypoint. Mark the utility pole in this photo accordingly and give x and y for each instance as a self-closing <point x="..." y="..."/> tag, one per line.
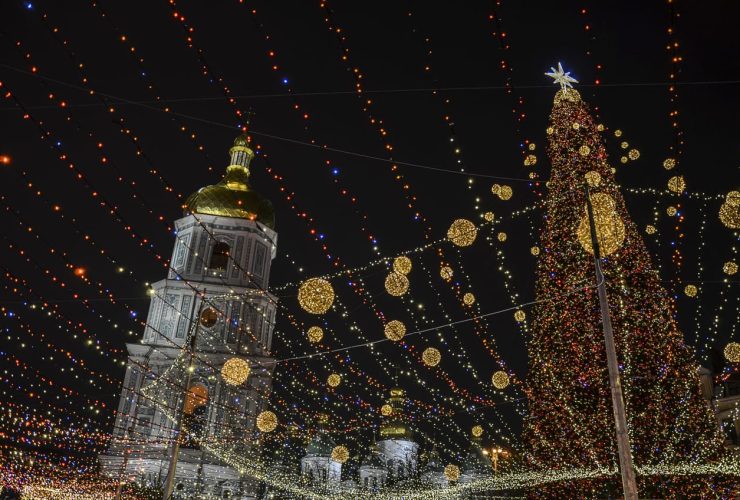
<point x="629" y="483"/>
<point x="169" y="484"/>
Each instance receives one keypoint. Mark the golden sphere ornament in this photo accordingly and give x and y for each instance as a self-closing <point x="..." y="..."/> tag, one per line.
<point x="446" y="273"/>
<point x="520" y="316"/>
<point x="593" y="178"/>
<point x="452" y="472"/>
<point x="671" y="211"/>
<point x="530" y="160"/>
<point x="495" y="189"/>
<point x="502" y="236"/>
<point x="395" y="330"/>
<point x="402" y="264"/>
<point x="316" y="295"/>
<point x="677" y="184"/>
<point x="690" y="290"/>
<point x="340" y="454"/>
<point x="633" y="154"/>
<point x="535" y="250"/>
<point x="396" y="284"/>
<point x="477" y="431"/>
<point x="235" y="371"/>
<point x="500" y="380"/>
<point x="730" y="268"/>
<point x="729" y="212"/>
<point x="624" y="145"/>
<point x="669" y="163"/>
<point x="732" y="352"/>
<point x="315" y="334"/>
<point x="267" y="421"/>
<point x="334" y="380"/>
<point x="468" y="299"/>
<point x="488" y="216"/>
<point x="462" y="233"/>
<point x="733" y="198"/>
<point x="600" y="127"/>
<point x="584" y="150"/>
<point x="617" y="133"/>
<point x="650" y="229"/>
<point x="549" y="130"/>
<point x="532" y="146"/>
<point x="386" y="410"/>
<point x="505" y="192"/>
<point x="623" y="159"/>
<point x="610" y="232"/>
<point x="431" y="356"/>
<point x="576" y="125"/>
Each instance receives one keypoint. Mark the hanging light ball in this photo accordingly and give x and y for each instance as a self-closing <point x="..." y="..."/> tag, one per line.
<point x="235" y="371"/>
<point x="395" y="330"/>
<point x="650" y="229"/>
<point x="452" y="472"/>
<point x="733" y="198"/>
<point x="402" y="264"/>
<point x="520" y="316"/>
<point x="315" y="334"/>
<point x="732" y="352"/>
<point x="530" y="160"/>
<point x="488" y="216"/>
<point x="730" y="267"/>
<point x="669" y="163"/>
<point x="624" y="145"/>
<point x="462" y="233"/>
<point x="340" y="454"/>
<point x="593" y="178"/>
<point x="446" y="273"/>
<point x="671" y="211"/>
<point x="396" y="284"/>
<point x="623" y="159"/>
<point x="386" y="410"/>
<point x="677" y="184"/>
<point x="468" y="299"/>
<point x="549" y="130"/>
<point x="690" y="290"/>
<point x="208" y="317"/>
<point x="600" y="127"/>
<point x="477" y="431"/>
<point x="584" y="150"/>
<point x="729" y="212"/>
<point x="532" y="146"/>
<point x="495" y="189"/>
<point x="617" y="133"/>
<point x="633" y="154"/>
<point x="500" y="380"/>
<point x="334" y="380"/>
<point x="502" y="236"/>
<point x="505" y="192"/>
<point x="535" y="250"/>
<point x="431" y="356"/>
<point x="316" y="295"/>
<point x="267" y="421"/>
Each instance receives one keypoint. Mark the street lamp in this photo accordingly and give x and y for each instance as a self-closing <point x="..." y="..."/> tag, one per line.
<point x="495" y="452"/>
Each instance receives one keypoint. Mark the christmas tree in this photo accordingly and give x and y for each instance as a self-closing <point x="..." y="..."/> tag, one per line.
<point x="571" y="423"/>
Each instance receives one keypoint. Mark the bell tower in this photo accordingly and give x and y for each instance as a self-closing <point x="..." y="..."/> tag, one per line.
<point x="214" y="309"/>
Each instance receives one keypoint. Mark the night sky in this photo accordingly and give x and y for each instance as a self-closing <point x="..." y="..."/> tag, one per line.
<point x="389" y="44"/>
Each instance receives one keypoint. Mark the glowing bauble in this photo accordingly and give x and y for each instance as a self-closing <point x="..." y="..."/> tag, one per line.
<point x="316" y="295"/>
<point x="267" y="421"/>
<point x="520" y="316"/>
<point x="584" y="150"/>
<point x="549" y="130"/>
<point x="402" y="264"/>
<point x="617" y="133"/>
<point x="235" y="371"/>
<point x="532" y="146"/>
<point x="690" y="290"/>
<point x="488" y="216"/>
<point x="431" y="356"/>
<point x="468" y="299"/>
<point x="462" y="233"/>
<point x="386" y="410"/>
<point x="502" y="236"/>
<point x="530" y="160"/>
<point x="500" y="380"/>
<point x="208" y="317"/>
<point x="395" y="330"/>
<point x="477" y="431"/>
<point x="334" y="380"/>
<point x="730" y="268"/>
<point x="729" y="212"/>
<point x="534" y="251"/>
<point x="446" y="273"/>
<point x="650" y="229"/>
<point x="624" y="145"/>
<point x="505" y="193"/>
<point x="623" y="159"/>
<point x="610" y="231"/>
<point x="677" y="184"/>
<point x="593" y="178"/>
<point x="396" y="284"/>
<point x="732" y="352"/>
<point x="340" y="454"/>
<point x="452" y="472"/>
<point x="669" y="163"/>
<point x="600" y="127"/>
<point x="671" y="211"/>
<point x="633" y="154"/>
<point x="315" y="334"/>
<point x="495" y="189"/>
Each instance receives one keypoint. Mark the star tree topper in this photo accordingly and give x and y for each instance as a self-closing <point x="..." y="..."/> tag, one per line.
<point x="561" y="77"/>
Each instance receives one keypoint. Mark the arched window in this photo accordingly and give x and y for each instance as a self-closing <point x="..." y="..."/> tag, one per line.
<point x="219" y="257"/>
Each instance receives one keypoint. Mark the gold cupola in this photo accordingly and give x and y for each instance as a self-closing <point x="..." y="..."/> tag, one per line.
<point x="232" y="196"/>
<point x="394" y="426"/>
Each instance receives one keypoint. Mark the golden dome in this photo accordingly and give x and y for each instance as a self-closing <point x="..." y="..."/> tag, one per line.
<point x="232" y="196"/>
